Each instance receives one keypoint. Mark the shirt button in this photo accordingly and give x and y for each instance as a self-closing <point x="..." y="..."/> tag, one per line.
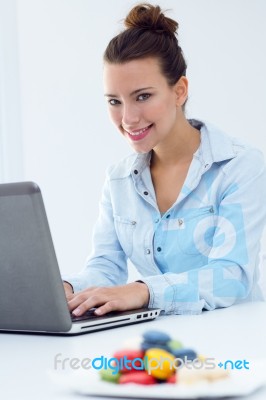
<point x="168" y="216"/>
<point x="157" y="220"/>
<point x="159" y="249"/>
<point x="133" y="222"/>
<point x="136" y="171"/>
<point x="148" y="251"/>
<point x="180" y="222"/>
<point x="146" y="193"/>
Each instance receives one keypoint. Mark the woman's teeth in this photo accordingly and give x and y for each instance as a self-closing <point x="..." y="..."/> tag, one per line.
<point x="137" y="133"/>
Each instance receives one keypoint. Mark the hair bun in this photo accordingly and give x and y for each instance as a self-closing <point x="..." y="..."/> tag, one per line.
<point x="148" y="17"/>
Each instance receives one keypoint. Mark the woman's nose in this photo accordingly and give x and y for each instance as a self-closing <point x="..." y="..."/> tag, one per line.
<point x="131" y="116"/>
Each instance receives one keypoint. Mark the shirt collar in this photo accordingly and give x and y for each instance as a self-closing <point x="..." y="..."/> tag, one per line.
<point x="215" y="145"/>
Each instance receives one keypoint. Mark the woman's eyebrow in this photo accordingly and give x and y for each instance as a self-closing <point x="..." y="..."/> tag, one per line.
<point x="132" y="93"/>
<point x="140" y="90"/>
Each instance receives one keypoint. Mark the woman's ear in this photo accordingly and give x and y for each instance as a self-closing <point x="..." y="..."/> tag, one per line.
<point x="181" y="91"/>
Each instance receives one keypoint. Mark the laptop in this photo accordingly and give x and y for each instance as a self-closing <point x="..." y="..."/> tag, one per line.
<point x="32" y="296"/>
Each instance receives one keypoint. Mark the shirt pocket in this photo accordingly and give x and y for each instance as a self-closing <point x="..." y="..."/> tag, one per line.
<point x="195" y="235"/>
<point x="125" y="228"/>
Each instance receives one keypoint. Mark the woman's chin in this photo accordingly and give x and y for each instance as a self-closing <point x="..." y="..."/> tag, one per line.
<point x="141" y="149"/>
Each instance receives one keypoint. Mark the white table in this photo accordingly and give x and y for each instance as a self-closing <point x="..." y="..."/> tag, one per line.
<point x="238" y="332"/>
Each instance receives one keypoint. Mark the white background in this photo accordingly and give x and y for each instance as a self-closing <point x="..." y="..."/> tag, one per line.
<point x="54" y="127"/>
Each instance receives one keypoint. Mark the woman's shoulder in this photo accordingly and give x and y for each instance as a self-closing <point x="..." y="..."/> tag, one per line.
<point x="248" y="162"/>
<point x="231" y="151"/>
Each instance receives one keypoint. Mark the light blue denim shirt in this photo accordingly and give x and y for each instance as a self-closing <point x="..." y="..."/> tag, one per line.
<point x="203" y="253"/>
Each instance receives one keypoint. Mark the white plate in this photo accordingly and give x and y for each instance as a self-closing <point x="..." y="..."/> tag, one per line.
<point x="239" y="383"/>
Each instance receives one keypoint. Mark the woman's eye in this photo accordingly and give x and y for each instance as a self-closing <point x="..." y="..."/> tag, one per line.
<point x="113" y="102"/>
<point x="143" y="97"/>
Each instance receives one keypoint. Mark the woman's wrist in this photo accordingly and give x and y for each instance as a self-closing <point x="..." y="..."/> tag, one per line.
<point x="143" y="291"/>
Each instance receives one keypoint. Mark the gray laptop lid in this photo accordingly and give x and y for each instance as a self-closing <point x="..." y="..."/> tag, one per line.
<point x="31" y="292"/>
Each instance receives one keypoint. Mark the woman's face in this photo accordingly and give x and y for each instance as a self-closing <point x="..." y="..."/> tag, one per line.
<point x="141" y="104"/>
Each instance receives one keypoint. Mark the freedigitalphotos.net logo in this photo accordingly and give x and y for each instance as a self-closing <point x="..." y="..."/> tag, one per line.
<point x="148" y="364"/>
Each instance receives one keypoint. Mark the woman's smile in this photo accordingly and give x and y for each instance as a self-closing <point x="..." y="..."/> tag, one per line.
<point x="138" y="134"/>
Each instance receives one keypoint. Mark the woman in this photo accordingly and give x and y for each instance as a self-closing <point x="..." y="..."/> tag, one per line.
<point x="186" y="207"/>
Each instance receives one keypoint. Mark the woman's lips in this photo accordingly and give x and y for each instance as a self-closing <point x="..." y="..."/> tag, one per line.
<point x="138" y="134"/>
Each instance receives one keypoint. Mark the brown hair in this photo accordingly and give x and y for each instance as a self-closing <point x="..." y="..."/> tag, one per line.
<point x="149" y="33"/>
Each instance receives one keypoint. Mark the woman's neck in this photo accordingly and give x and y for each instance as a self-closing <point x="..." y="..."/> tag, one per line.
<point x="179" y="148"/>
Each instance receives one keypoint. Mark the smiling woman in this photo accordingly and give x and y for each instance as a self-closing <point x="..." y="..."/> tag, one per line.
<point x="149" y="111"/>
<point x="182" y="206"/>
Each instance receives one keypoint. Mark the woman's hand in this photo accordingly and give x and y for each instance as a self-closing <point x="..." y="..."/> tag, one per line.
<point x="120" y="298"/>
